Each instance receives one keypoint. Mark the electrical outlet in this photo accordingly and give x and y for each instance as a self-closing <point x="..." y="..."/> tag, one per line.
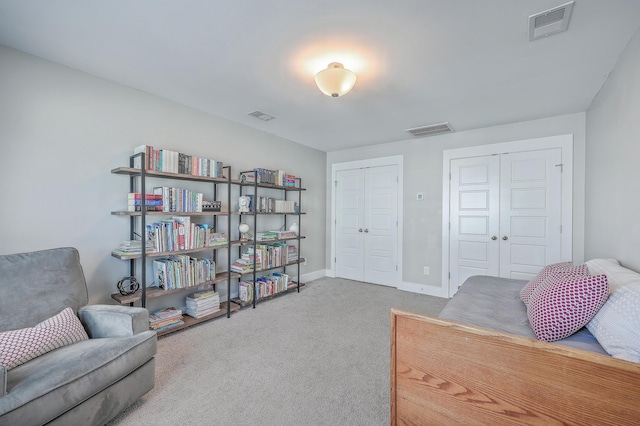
<point x="426" y="270"/>
<point x="420" y="196"/>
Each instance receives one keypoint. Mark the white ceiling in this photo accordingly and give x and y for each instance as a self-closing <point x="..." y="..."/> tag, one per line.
<point x="419" y="62"/>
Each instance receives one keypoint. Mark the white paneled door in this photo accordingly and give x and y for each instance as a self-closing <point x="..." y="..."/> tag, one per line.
<point x="367" y="225"/>
<point x="475" y="217"/>
<point x="505" y="214"/>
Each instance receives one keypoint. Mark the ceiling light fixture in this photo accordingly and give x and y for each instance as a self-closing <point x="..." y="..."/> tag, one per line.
<point x="335" y="80"/>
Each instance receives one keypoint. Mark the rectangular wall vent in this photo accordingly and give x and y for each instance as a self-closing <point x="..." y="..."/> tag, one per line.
<point x="433" y="129"/>
<point x="550" y="21"/>
<point x="261" y="115"/>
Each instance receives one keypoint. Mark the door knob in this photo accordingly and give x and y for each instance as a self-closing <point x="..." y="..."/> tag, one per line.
<point x="494" y="238"/>
<point x="366" y="230"/>
<point x="505" y="238"/>
<point x="360" y="230"/>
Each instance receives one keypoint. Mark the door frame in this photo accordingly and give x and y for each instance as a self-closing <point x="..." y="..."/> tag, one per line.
<point x="396" y="160"/>
<point x="564" y="142"/>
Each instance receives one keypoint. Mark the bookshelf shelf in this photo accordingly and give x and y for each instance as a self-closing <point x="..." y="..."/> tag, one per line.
<point x="296" y="262"/>
<point x="153" y="292"/>
<point x="190" y="321"/>
<point x="130" y="256"/>
<point x="267" y="185"/>
<point x="127" y="213"/>
<point x="242" y="304"/>
<point x="131" y="171"/>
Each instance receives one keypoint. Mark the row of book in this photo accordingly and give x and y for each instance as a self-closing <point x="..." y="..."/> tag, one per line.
<point x="178" y="233"/>
<point x="265" y="286"/>
<point x="274" y="177"/>
<point x="266" y="257"/>
<point x="274" y="235"/>
<point x="165" y="318"/>
<point x="178" y="199"/>
<point x="182" y="271"/>
<point x="271" y="205"/>
<point x="164" y="160"/>
<point x="203" y="303"/>
<point x="274" y="255"/>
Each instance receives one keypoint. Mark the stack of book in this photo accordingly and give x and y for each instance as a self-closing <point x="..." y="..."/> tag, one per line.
<point x="267" y="235"/>
<point x="182" y="271"/>
<point x="203" y="303"/>
<point x="217" y="239"/>
<point x="166" y="318"/>
<point x="286" y="234"/>
<point x="152" y="202"/>
<point x="244" y="264"/>
<point x="133" y="247"/>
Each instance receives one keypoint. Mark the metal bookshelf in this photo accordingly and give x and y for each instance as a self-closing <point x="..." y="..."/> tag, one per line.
<point x="137" y="226"/>
<point x="289" y="192"/>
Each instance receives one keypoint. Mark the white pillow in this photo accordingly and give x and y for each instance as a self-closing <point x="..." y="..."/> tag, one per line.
<point x="617" y="274"/>
<point x="617" y="323"/>
<point x="616" y="326"/>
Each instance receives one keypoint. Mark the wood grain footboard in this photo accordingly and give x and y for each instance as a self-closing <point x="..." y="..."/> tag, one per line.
<point x="443" y="372"/>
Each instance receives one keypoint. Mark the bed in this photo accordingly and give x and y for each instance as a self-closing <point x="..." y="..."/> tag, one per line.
<point x="481" y="363"/>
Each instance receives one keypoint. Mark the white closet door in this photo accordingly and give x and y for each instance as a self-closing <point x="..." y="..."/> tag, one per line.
<point x="474" y="218"/>
<point x="350" y="224"/>
<point x="381" y="226"/>
<point x="505" y="214"/>
<point x="530" y="211"/>
<point x="367" y="225"/>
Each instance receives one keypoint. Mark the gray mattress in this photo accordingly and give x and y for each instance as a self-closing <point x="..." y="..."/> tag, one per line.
<point x="494" y="303"/>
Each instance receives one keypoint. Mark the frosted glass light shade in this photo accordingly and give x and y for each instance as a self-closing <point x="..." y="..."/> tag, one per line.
<point x="335" y="80"/>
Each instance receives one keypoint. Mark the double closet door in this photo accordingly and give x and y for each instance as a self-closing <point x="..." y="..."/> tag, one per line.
<point x="367" y="225"/>
<point x="505" y="215"/>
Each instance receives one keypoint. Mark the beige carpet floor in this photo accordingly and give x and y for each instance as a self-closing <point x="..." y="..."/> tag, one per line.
<point x="320" y="357"/>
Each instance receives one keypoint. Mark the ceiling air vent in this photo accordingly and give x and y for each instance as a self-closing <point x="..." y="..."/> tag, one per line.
<point x="550" y="21"/>
<point x="261" y="115"/>
<point x="433" y="129"/>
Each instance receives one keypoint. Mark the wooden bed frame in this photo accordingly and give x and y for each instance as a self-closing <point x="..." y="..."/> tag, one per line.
<point x="443" y="372"/>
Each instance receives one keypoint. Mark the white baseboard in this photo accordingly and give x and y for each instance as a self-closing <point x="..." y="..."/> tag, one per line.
<point x="313" y="275"/>
<point x="429" y="290"/>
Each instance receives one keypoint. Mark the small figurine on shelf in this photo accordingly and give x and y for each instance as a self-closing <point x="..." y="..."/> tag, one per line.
<point x="243" y="204"/>
<point x="244" y="232"/>
<point x="294" y="228"/>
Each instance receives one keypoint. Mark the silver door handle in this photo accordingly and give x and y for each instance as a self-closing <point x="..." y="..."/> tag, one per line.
<point x="366" y="230"/>
<point x="360" y="230"/>
<point x="505" y="238"/>
<point x="494" y="238"/>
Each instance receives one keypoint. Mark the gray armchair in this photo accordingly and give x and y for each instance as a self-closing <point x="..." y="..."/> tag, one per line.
<point x="87" y="382"/>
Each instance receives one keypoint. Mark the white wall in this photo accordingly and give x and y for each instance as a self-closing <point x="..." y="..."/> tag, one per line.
<point x="423" y="173"/>
<point x="613" y="164"/>
<point x="62" y="131"/>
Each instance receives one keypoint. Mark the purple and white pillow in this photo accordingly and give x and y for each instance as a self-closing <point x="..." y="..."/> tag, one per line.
<point x="566" y="268"/>
<point x="562" y="305"/>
